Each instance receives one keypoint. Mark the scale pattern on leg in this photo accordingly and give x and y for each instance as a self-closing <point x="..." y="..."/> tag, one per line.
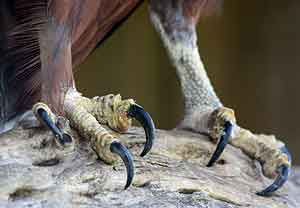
<point x="180" y="39"/>
<point x="111" y="110"/>
<point x="86" y="115"/>
<point x="89" y="127"/>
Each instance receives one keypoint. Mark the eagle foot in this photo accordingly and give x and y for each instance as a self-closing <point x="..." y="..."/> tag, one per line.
<point x="88" y="115"/>
<point x="267" y="150"/>
<point x="220" y="125"/>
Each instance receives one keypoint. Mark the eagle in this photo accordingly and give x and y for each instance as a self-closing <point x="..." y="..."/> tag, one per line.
<point x="42" y="42"/>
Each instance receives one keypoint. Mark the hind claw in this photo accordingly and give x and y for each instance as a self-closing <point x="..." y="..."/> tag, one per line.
<point x="45" y="116"/>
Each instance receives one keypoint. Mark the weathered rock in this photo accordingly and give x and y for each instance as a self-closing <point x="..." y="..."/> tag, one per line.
<point x="173" y="175"/>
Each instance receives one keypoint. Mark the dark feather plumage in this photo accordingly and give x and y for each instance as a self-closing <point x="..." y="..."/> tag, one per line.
<point x="26" y="76"/>
<point x="19" y="62"/>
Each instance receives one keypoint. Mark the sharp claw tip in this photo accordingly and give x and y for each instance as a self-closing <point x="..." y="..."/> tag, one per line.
<point x="209" y="164"/>
<point x="283" y="173"/>
<point x="127" y="185"/>
<point x="125" y="155"/>
<point x="143" y="153"/>
<point x="262" y="193"/>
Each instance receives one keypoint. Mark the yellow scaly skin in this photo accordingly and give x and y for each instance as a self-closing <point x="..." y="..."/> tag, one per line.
<point x="86" y="115"/>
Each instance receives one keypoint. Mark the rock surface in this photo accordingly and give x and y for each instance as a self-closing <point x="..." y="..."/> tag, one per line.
<point x="172" y="175"/>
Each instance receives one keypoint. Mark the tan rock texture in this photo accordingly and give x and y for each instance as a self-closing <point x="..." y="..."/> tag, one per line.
<point x="172" y="175"/>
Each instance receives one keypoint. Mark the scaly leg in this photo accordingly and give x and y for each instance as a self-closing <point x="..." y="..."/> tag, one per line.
<point x="87" y="115"/>
<point x="57" y="90"/>
<point x="175" y="21"/>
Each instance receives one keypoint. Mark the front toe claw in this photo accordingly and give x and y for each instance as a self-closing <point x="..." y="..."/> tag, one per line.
<point x="126" y="156"/>
<point x="118" y="114"/>
<point x="137" y="112"/>
<point x="228" y="126"/>
<point x="283" y="172"/>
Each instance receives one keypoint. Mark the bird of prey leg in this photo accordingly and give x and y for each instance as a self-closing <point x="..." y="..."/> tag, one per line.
<point x="175" y="22"/>
<point x="40" y="53"/>
<point x="42" y="42"/>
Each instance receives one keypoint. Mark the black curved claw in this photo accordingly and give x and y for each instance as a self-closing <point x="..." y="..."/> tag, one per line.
<point x="60" y="136"/>
<point x="137" y="112"/>
<point x="222" y="143"/>
<point x="124" y="153"/>
<point x="283" y="173"/>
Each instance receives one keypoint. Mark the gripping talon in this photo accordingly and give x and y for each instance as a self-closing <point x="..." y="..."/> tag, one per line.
<point x="60" y="137"/>
<point x="283" y="174"/>
<point x="137" y="112"/>
<point x="222" y="143"/>
<point x="125" y="155"/>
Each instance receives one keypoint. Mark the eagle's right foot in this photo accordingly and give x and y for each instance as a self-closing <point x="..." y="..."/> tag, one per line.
<point x="87" y="115"/>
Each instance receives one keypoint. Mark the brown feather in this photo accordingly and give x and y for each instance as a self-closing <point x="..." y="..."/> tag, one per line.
<point x="21" y="54"/>
<point x="89" y="31"/>
<point x="51" y="36"/>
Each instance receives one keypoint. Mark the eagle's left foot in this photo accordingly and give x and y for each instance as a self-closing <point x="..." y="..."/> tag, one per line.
<point x="270" y="152"/>
<point x="220" y="125"/>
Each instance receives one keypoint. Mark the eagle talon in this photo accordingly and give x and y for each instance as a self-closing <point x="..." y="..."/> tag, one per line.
<point x="44" y="114"/>
<point x="283" y="172"/>
<point x="228" y="126"/>
<point x="117" y="113"/>
<point x="126" y="156"/>
<point x="137" y="112"/>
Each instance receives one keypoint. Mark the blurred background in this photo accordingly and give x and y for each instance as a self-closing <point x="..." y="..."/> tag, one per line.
<point x="251" y="52"/>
